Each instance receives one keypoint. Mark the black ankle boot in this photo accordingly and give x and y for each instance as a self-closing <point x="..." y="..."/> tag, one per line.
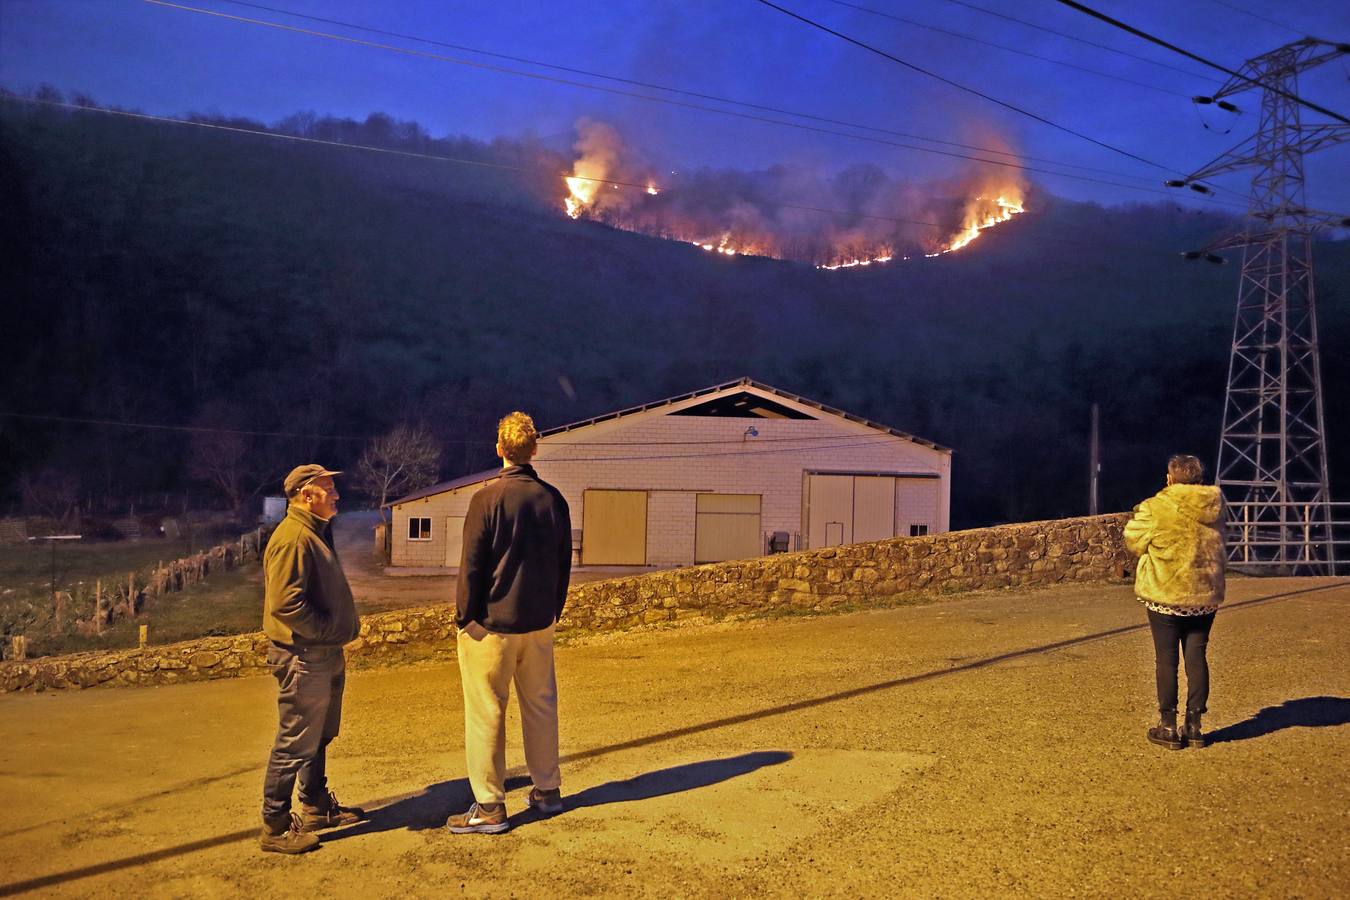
<point x="1165" y="733"/>
<point x="1191" y="731"/>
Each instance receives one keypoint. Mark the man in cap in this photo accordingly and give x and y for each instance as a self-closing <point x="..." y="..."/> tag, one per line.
<point x="513" y="574"/>
<point x="309" y="614"/>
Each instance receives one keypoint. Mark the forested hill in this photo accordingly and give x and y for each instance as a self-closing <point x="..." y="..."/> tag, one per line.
<point x="156" y="273"/>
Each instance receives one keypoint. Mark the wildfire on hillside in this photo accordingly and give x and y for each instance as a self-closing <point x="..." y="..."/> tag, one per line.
<point x="857" y="218"/>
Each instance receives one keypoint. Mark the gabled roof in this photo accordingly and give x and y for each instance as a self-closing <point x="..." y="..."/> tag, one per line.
<point x="446" y="486"/>
<point x="725" y="386"/>
<point x="745" y="381"/>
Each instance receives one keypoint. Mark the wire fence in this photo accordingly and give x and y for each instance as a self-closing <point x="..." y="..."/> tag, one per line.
<point x="1289" y="537"/>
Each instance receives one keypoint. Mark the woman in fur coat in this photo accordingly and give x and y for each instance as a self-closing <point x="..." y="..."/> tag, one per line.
<point x="1178" y="536"/>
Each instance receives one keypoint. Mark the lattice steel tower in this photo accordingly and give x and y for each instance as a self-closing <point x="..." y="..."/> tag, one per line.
<point x="1272" y="463"/>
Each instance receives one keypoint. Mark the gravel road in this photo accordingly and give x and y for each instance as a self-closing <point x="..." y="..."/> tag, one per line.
<point x="986" y="745"/>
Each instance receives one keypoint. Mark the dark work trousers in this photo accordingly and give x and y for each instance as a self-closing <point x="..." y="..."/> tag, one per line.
<point x="310" y="705"/>
<point x="1187" y="636"/>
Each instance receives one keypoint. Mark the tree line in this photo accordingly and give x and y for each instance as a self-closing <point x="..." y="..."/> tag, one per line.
<point x="280" y="303"/>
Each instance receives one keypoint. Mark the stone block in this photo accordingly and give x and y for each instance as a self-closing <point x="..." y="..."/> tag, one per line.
<point x="204" y="659"/>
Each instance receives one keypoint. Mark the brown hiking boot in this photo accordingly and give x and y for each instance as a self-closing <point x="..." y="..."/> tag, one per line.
<point x="480" y="818"/>
<point x="284" y="835"/>
<point x="1165" y="733"/>
<point x="1191" y="731"/>
<point x="547" y="802"/>
<point x="331" y="815"/>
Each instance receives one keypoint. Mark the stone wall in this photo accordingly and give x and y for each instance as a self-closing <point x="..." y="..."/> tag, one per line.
<point x="877" y="574"/>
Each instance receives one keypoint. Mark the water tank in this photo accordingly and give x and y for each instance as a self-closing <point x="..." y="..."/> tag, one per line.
<point x="274" y="510"/>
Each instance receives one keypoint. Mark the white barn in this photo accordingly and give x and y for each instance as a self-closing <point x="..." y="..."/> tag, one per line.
<point x="733" y="471"/>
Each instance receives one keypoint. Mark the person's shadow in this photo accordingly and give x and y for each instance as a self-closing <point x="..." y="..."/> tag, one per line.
<point x="430" y="808"/>
<point x="1305" y="712"/>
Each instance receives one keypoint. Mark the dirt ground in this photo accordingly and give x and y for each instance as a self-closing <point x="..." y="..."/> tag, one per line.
<point x="987" y="745"/>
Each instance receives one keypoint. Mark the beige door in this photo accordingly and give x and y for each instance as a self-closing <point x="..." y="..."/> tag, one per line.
<point x="917" y="500"/>
<point x="726" y="526"/>
<point x="831" y="511"/>
<point x="873" y="507"/>
<point x="454" y="540"/>
<point x="614" y="528"/>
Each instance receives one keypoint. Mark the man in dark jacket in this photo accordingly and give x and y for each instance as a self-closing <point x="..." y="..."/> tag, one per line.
<point x="309" y="614"/>
<point x="513" y="574"/>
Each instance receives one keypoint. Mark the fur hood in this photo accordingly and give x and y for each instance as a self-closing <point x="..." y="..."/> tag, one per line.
<point x="1178" y="536"/>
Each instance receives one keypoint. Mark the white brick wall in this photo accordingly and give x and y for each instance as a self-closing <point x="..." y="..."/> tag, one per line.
<point x="438" y="507"/>
<point x="676" y="457"/>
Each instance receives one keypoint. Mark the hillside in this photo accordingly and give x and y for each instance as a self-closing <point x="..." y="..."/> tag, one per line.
<point x="159" y="274"/>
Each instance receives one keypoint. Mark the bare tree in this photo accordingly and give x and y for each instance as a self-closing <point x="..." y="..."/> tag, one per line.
<point x="51" y="492"/>
<point x="219" y="453"/>
<point x="403" y="460"/>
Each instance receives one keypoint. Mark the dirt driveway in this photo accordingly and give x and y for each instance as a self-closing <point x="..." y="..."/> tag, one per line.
<point x="983" y="746"/>
<point x="378" y="590"/>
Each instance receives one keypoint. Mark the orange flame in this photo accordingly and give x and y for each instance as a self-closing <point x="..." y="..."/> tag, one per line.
<point x="581" y="195"/>
<point x="982" y="214"/>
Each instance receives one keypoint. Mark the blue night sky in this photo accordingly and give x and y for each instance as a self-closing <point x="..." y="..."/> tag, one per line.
<point x="171" y="61"/>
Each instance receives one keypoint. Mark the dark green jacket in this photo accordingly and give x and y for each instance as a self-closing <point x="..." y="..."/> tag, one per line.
<point x="306" y="600"/>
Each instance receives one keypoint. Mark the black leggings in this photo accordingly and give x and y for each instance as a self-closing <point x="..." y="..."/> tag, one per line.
<point x="1190" y="636"/>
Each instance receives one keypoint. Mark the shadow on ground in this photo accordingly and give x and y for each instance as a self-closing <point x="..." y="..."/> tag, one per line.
<point x="430" y="808"/>
<point x="674" y="780"/>
<point x="1305" y="712"/>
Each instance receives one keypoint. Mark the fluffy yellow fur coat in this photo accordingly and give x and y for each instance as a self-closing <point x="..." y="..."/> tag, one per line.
<point x="1178" y="536"/>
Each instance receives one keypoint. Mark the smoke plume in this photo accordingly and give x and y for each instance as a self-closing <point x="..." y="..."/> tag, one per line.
<point x="849" y="217"/>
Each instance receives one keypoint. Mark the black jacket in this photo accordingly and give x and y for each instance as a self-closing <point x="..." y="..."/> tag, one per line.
<point x="517" y="555"/>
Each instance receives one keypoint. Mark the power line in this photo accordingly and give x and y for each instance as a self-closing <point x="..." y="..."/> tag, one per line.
<point x="1074" y="37"/>
<point x="425" y="156"/>
<point x="676" y="90"/>
<point x="274" y="135"/>
<point x="1027" y="53"/>
<point x="869" y="440"/>
<point x="191" y="429"/>
<point x="430" y="156"/>
<point x="969" y="90"/>
<point x="1087" y="10"/>
<point x="764" y="119"/>
<point x="1246" y="12"/>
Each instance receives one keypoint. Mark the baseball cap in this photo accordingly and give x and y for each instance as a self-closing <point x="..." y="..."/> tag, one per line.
<point x="303" y="475"/>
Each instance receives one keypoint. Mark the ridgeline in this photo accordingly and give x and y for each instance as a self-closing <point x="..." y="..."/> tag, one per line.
<point x="154" y="273"/>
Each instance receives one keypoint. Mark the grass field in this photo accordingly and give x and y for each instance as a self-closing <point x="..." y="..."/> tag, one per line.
<point x="27" y="569"/>
<point x="226" y="603"/>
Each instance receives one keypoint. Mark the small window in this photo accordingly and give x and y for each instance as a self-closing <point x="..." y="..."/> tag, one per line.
<point x="419" y="529"/>
<point x="918" y="530"/>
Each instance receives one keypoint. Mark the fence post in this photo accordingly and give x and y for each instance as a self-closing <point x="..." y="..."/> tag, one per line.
<point x="143" y="636"/>
<point x="98" y="607"/>
<point x="18" y="645"/>
<point x="60" y="602"/>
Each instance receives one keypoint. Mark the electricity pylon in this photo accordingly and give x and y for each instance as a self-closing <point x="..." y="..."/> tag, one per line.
<point x="1272" y="464"/>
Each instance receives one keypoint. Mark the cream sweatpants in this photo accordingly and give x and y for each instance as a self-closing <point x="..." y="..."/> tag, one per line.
<point x="488" y="663"/>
